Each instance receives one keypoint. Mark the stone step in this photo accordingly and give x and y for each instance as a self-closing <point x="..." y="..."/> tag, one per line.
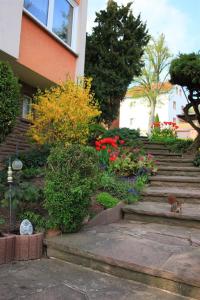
<point x="160" y="194"/>
<point x="161" y="180"/>
<point x="172" y="162"/>
<point x="155" y="151"/>
<point x="168" y="156"/>
<point x="178" y="171"/>
<point x="155" y="146"/>
<point x="159" y="255"/>
<point x="160" y="213"/>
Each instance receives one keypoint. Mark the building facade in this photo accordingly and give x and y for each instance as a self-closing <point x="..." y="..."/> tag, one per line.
<point x="44" y="41"/>
<point x="134" y="111"/>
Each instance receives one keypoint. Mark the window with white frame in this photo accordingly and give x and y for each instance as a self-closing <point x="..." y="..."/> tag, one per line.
<point x="57" y="15"/>
<point x="26" y="106"/>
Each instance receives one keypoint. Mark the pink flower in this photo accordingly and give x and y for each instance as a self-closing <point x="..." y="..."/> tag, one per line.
<point x="122" y="142"/>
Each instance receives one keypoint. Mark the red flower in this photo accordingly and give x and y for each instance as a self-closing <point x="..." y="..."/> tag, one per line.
<point x="122" y="142"/>
<point x="97" y="144"/>
<point x="103" y="147"/>
<point x="156" y="124"/>
<point x="176" y="127"/>
<point x="98" y="148"/>
<point x="112" y="158"/>
<point x="109" y="150"/>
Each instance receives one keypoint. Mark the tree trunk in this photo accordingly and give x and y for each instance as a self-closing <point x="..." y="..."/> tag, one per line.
<point x="195" y="145"/>
<point x="151" y="116"/>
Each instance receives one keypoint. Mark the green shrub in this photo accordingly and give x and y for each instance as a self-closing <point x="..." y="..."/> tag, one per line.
<point x="2" y="220"/>
<point x="70" y="180"/>
<point x="23" y="193"/>
<point x="107" y="200"/>
<point x="196" y="161"/>
<point x="32" y="172"/>
<point x="128" y="135"/>
<point x="140" y="182"/>
<point x="118" y="188"/>
<point x="179" y="145"/>
<point x="34" y="158"/>
<point x="174" y="144"/>
<point x="95" y="130"/>
<point x="9" y="99"/>
<point x="39" y="222"/>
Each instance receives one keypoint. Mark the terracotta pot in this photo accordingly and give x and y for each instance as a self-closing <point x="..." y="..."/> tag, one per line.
<point x="53" y="232"/>
<point x="28" y="246"/>
<point x="7" y="248"/>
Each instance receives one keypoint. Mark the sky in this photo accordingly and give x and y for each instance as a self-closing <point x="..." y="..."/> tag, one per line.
<point x="179" y="20"/>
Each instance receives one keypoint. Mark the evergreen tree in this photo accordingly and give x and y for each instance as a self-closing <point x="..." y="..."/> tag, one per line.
<point x="185" y="71"/>
<point x="113" y="55"/>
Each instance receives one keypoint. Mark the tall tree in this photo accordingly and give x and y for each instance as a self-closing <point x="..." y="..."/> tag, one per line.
<point x="152" y="80"/>
<point x="185" y="71"/>
<point x="113" y="55"/>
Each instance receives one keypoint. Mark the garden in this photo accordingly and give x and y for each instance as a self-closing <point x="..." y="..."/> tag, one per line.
<point x="76" y="168"/>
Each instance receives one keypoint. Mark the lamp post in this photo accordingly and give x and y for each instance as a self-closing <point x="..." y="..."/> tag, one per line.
<point x="15" y="166"/>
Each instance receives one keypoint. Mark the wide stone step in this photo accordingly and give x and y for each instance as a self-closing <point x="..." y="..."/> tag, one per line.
<point x="155" y="147"/>
<point x="160" y="213"/>
<point x="162" y="256"/>
<point x="167" y="156"/>
<point x="157" y="151"/>
<point x="178" y="171"/>
<point x="160" y="194"/>
<point x="175" y="162"/>
<point x="161" y="180"/>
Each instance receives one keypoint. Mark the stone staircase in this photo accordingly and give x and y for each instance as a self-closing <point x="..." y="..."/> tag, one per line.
<point x="151" y="244"/>
<point x="175" y="176"/>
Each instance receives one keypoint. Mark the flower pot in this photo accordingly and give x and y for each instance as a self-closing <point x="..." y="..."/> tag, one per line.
<point x="53" y="232"/>
<point x="7" y="248"/>
<point x="28" y="246"/>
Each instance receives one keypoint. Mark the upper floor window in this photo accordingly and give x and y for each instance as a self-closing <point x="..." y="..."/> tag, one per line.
<point x="38" y="8"/>
<point x="174" y="104"/>
<point x="56" y="15"/>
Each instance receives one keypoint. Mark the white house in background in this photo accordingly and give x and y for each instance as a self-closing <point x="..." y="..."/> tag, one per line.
<point x="134" y="110"/>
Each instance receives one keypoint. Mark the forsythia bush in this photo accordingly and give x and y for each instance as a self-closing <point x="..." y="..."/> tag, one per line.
<point x="63" y="113"/>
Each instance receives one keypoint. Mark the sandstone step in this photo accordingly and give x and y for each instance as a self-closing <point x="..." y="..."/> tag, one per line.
<point x="155" y="151"/>
<point x="178" y="170"/>
<point x="182" y="162"/>
<point x="161" y="180"/>
<point x="160" y="213"/>
<point x="160" y="194"/>
<point x="162" y="256"/>
<point x="155" y="146"/>
<point x="169" y="155"/>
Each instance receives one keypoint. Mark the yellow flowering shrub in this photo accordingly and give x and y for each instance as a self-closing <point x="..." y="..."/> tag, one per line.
<point x="63" y="113"/>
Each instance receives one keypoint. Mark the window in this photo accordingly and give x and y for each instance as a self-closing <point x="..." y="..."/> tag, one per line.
<point x="62" y="20"/>
<point x="26" y="106"/>
<point x="174" y="120"/>
<point x="38" y="8"/>
<point x="174" y="104"/>
<point x="56" y="15"/>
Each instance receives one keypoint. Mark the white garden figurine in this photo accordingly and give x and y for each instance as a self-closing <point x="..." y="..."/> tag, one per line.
<point x="26" y="228"/>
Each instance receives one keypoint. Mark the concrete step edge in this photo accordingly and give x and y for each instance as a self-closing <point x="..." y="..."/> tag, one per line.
<point x="153" y="277"/>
